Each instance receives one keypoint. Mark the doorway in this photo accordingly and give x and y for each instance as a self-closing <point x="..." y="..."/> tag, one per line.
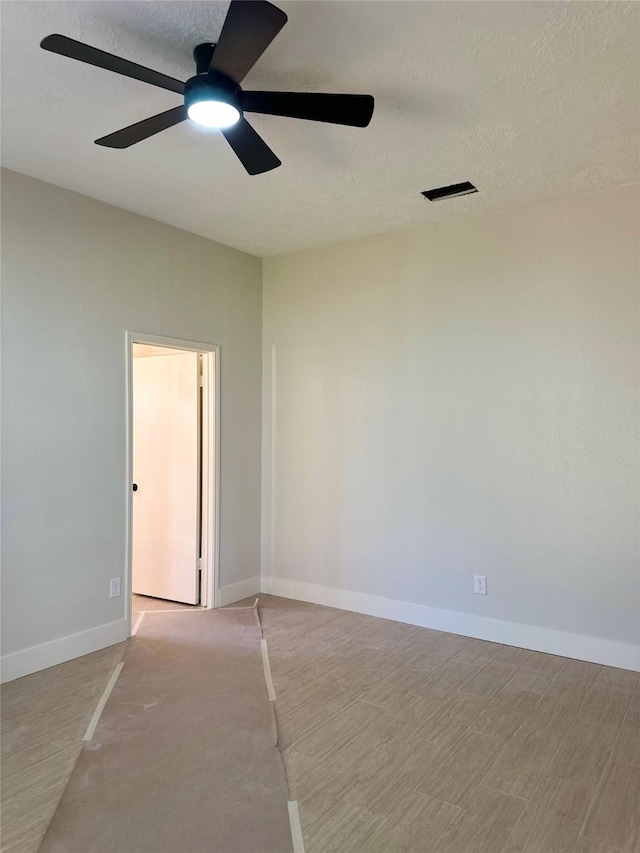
<point x="173" y="483"/>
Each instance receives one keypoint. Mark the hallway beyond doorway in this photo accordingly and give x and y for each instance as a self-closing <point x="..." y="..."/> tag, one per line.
<point x="141" y="603"/>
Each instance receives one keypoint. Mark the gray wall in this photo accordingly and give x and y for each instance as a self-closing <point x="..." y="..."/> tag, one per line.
<point x="437" y="403"/>
<point x="462" y="399"/>
<point x="76" y="274"/>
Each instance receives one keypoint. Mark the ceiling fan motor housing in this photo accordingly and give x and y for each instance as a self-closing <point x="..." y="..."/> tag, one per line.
<point x="210" y="85"/>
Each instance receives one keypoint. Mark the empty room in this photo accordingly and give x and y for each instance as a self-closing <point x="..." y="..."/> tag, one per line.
<point x="320" y="426"/>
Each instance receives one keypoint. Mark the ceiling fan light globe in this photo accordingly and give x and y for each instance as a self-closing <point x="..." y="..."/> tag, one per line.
<point x="210" y="113"/>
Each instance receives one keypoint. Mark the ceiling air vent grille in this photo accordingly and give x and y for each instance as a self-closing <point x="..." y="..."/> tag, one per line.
<point x="454" y="190"/>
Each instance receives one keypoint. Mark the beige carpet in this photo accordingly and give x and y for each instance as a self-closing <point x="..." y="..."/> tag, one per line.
<point x="184" y="755"/>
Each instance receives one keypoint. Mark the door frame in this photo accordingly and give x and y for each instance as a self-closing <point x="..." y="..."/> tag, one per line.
<point x="210" y="576"/>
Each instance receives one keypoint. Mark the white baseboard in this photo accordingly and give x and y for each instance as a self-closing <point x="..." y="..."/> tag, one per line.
<point x="34" y="659"/>
<point x="237" y="591"/>
<point x="593" y="649"/>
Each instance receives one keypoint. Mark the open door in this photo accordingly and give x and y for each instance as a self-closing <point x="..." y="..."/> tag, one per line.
<point x="166" y="500"/>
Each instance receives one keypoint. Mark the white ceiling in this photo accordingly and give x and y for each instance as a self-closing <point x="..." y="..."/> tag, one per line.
<point x="528" y="100"/>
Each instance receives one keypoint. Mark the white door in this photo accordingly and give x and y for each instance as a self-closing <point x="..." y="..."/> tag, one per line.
<point x="166" y="473"/>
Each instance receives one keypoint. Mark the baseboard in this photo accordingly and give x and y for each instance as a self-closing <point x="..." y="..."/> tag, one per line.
<point x="237" y="591"/>
<point x="592" y="649"/>
<point x="34" y="659"/>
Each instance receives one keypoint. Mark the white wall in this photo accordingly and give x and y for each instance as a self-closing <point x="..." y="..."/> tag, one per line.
<point x="76" y="273"/>
<point x="456" y="400"/>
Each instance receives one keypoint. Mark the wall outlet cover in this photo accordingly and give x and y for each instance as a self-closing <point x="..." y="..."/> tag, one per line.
<point x="114" y="588"/>
<point x="480" y="584"/>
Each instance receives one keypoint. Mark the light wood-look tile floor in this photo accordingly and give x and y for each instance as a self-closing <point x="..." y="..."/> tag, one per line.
<point x="394" y="738"/>
<point x="397" y="738"/>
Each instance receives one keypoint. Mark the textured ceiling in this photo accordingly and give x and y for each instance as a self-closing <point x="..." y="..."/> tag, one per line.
<point x="528" y="100"/>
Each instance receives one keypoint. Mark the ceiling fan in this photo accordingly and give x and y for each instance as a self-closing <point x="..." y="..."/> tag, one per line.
<point x="214" y="98"/>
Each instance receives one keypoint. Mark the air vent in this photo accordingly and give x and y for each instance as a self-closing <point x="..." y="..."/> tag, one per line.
<point x="454" y="190"/>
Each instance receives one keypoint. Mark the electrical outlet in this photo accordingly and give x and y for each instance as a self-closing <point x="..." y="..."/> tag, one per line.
<point x="480" y="584"/>
<point x="114" y="588"/>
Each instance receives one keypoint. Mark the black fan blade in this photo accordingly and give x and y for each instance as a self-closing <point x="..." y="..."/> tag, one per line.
<point x="143" y="129"/>
<point x="250" y="148"/>
<point x="354" y="110"/>
<point x="92" y="56"/>
<point x="248" y="30"/>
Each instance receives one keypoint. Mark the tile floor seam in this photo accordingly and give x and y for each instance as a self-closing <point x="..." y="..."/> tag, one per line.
<point x="505" y="793"/>
<point x="608" y="846"/>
